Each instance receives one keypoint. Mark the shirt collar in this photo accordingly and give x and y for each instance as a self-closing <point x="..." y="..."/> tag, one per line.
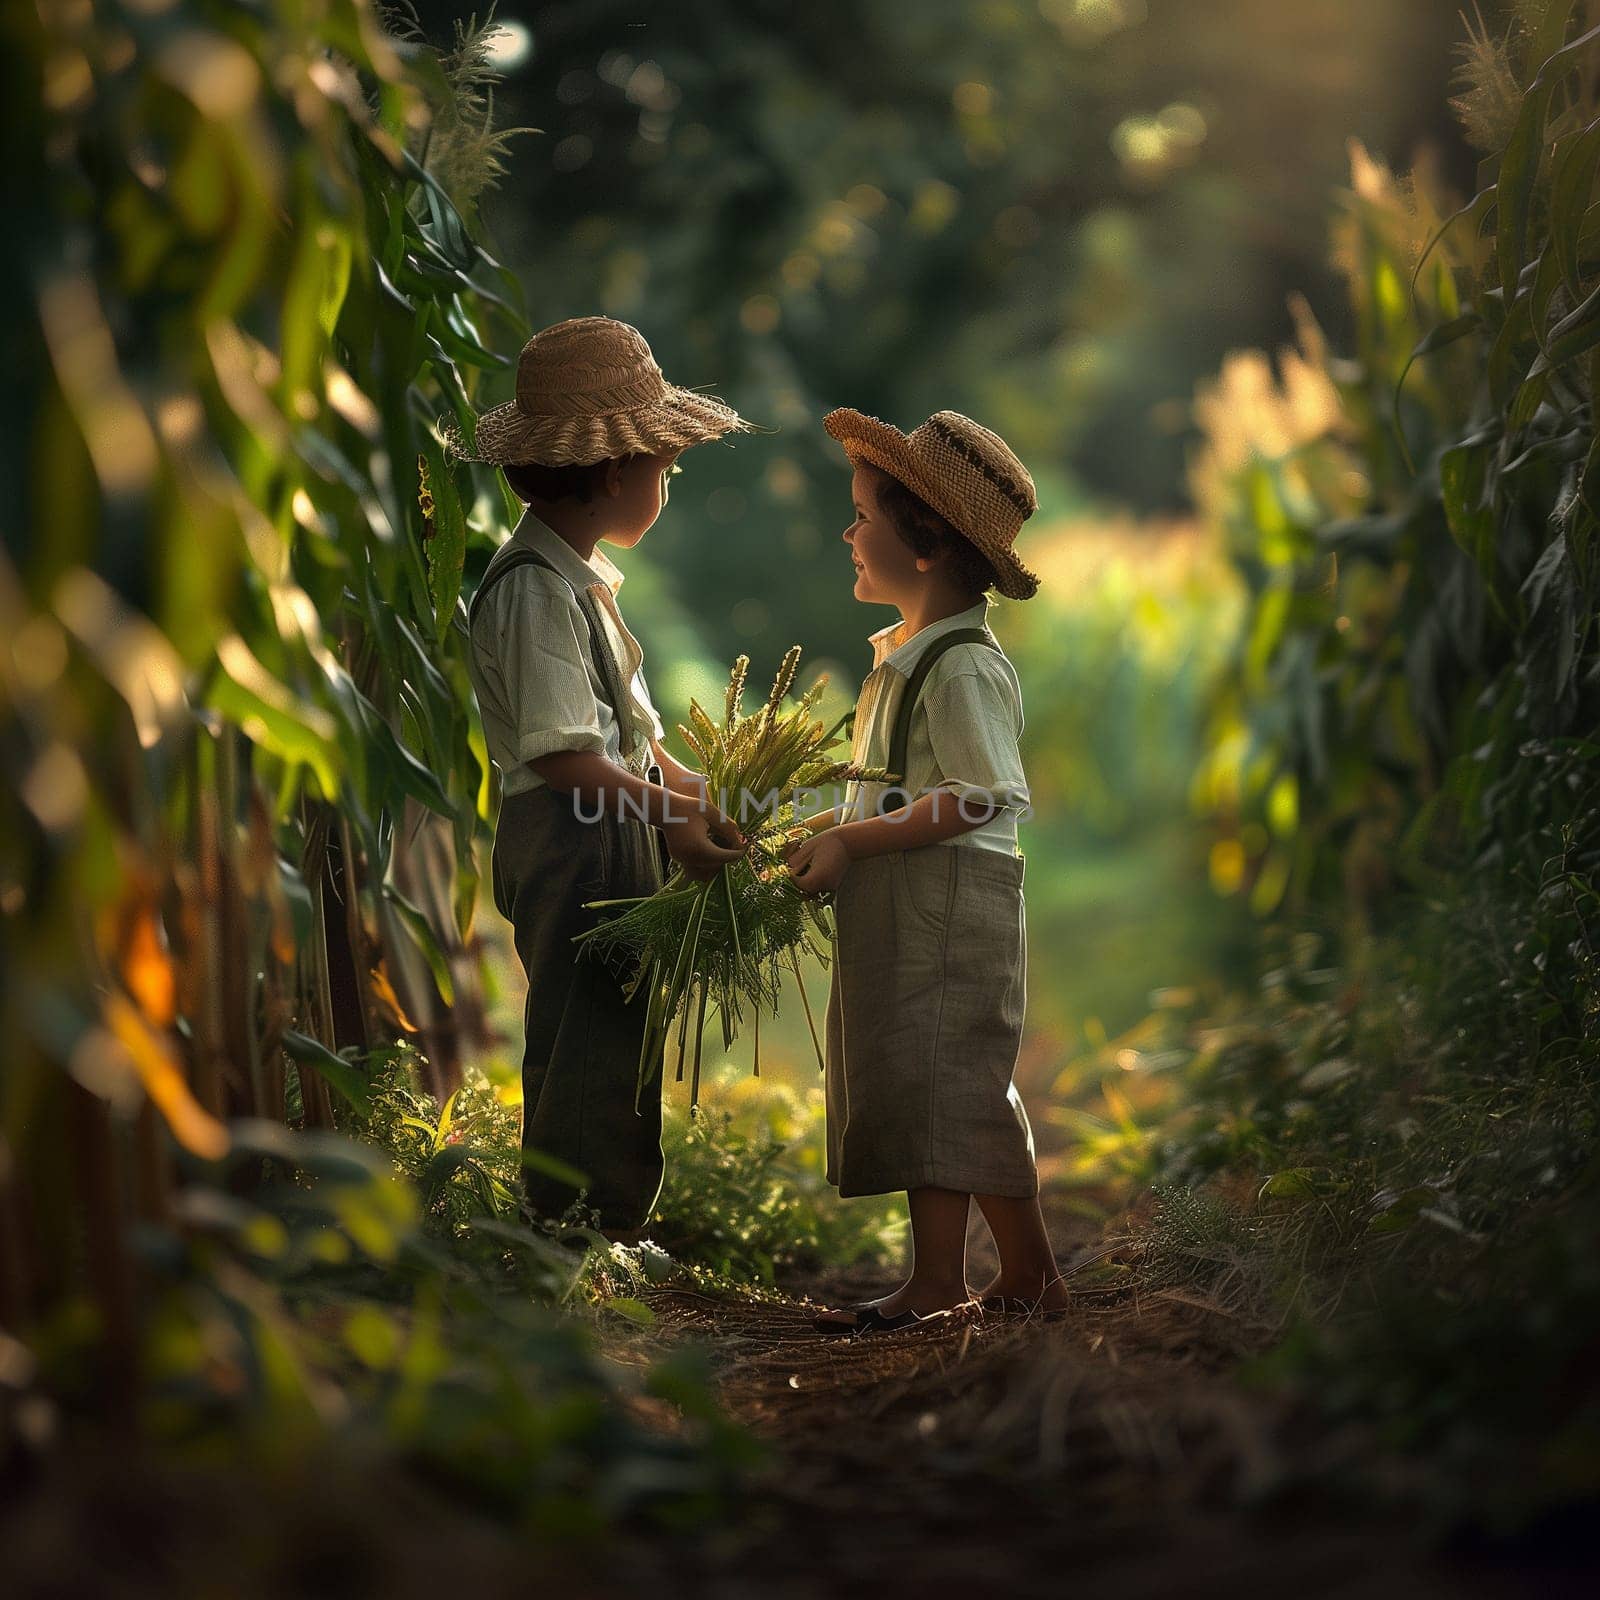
<point x="893" y="646"/>
<point x="599" y="568"/>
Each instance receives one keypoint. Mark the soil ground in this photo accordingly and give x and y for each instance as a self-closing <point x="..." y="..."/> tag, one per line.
<point x="1115" y="1452"/>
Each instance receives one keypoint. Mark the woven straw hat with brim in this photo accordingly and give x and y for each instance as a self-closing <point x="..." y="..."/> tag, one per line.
<point x="589" y="390"/>
<point x="967" y="474"/>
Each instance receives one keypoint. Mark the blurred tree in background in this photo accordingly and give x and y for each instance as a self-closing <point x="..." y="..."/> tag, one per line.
<point x="1057" y="216"/>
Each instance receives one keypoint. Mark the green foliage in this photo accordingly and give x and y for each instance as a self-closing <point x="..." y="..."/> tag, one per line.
<point x="746" y="1197"/>
<point x="234" y="696"/>
<point x="1388" y="1154"/>
<point x="323" y="1312"/>
<point x="463" y="1156"/>
<point x="242" y="689"/>
<point x="1392" y="1168"/>
<point x="744" y="1201"/>
<point x="1417" y="525"/>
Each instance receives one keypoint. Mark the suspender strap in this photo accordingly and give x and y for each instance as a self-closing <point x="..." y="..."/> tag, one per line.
<point x="604" y="660"/>
<point x="900" y="736"/>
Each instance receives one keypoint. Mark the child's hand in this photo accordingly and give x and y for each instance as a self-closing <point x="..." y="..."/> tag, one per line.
<point x="818" y="864"/>
<point x="703" y="841"/>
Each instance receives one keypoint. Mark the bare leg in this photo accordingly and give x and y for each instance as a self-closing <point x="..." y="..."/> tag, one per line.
<point x="938" y="1254"/>
<point x="1028" y="1268"/>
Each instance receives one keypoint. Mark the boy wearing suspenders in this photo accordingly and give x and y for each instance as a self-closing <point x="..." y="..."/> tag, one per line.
<point x="589" y="795"/>
<point x="929" y="985"/>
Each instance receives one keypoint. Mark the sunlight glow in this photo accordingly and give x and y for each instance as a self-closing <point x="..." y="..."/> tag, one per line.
<point x="509" y="46"/>
<point x="1090" y="21"/>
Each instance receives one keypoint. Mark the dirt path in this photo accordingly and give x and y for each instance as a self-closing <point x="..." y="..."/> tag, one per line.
<point x="1114" y="1452"/>
<point x="1115" y="1447"/>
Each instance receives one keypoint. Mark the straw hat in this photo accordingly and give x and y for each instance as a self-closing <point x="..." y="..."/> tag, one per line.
<point x="588" y="389"/>
<point x="967" y="474"/>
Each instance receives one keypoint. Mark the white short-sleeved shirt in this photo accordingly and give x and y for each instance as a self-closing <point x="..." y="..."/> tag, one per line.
<point x="964" y="730"/>
<point x="531" y="664"/>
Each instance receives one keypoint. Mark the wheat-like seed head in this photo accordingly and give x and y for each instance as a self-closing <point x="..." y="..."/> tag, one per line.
<point x="710" y="733"/>
<point x="1491" y="95"/>
<point x="781" y="683"/>
<point x="736" y="678"/>
<point x="691" y="739"/>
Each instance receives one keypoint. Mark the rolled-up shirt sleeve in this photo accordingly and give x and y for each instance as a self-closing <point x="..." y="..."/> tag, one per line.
<point x="539" y="656"/>
<point x="974" y="724"/>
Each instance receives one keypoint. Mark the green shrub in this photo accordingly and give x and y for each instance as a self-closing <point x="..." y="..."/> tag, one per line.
<point x="746" y="1196"/>
<point x="1395" y="1169"/>
<point x="463" y="1156"/>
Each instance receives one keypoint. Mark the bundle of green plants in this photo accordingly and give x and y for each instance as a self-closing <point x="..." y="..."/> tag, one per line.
<point x="728" y="942"/>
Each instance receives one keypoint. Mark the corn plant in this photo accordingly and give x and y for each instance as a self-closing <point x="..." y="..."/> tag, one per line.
<point x="233" y="687"/>
<point x="1417" y="525"/>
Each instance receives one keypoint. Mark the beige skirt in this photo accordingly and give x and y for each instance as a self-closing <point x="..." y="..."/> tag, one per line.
<point x="924" y="1024"/>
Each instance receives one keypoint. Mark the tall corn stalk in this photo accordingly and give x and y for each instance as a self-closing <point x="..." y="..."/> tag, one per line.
<point x="233" y="638"/>
<point x="1419" y="683"/>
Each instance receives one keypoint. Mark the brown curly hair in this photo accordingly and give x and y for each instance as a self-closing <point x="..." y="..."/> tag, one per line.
<point x="928" y="534"/>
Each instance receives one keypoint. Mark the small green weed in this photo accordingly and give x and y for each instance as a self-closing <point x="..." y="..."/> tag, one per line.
<point x="747" y="1197"/>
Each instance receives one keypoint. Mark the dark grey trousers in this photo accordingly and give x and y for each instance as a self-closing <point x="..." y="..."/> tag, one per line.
<point x="580" y="1061"/>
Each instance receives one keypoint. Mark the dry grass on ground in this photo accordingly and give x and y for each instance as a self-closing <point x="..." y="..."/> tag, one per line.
<point x="1016" y="1456"/>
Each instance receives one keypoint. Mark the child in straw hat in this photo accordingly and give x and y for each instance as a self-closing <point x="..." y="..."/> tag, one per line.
<point x="930" y="970"/>
<point x="588" y="445"/>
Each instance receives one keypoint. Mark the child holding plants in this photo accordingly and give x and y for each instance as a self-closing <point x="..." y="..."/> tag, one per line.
<point x="588" y="445"/>
<point x="930" y="970"/>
